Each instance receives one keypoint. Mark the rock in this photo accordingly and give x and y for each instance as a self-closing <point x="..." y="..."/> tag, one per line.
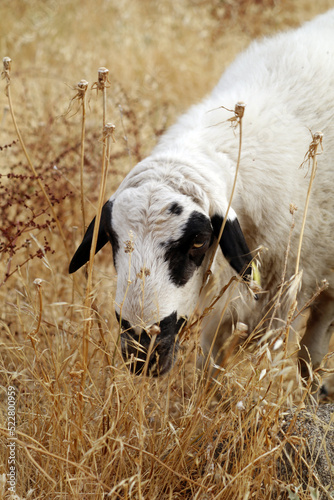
<point x="308" y="456"/>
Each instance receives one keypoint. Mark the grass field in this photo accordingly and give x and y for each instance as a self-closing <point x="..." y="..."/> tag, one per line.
<point x="84" y="427"/>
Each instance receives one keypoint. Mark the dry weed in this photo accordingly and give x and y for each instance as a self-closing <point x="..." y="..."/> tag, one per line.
<point x="84" y="426"/>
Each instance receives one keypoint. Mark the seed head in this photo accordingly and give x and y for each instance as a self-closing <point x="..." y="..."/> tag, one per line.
<point x="102" y="77"/>
<point x="82" y="87"/>
<point x="108" y="131"/>
<point x="129" y="246"/>
<point x="143" y="272"/>
<point x="293" y="208"/>
<point x="317" y="137"/>
<point x="83" y="84"/>
<point x="7" y="63"/>
<point x="239" y="109"/>
<point x="240" y="406"/>
<point x="278" y="344"/>
<point x="312" y="152"/>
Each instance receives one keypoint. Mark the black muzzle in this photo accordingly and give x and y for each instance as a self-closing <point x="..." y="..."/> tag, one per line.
<point x="151" y="352"/>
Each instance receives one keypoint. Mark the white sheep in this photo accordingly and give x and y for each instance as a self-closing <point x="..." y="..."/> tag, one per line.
<point x="172" y="204"/>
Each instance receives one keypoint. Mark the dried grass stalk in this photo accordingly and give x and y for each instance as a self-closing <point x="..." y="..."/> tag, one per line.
<point x="108" y="131"/>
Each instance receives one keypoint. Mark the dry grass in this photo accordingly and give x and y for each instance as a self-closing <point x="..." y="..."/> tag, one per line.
<point x="83" y="437"/>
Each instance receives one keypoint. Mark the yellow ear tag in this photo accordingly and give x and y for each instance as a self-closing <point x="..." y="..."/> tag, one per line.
<point x="256" y="275"/>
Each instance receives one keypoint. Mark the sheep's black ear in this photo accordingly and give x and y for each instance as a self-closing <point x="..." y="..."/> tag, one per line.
<point x="233" y="244"/>
<point x="105" y="234"/>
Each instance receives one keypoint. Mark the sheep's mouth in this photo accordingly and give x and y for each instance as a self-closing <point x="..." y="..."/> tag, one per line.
<point x="148" y="354"/>
<point x="161" y="358"/>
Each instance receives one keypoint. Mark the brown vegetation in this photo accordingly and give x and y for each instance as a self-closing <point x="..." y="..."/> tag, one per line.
<point x="84" y="426"/>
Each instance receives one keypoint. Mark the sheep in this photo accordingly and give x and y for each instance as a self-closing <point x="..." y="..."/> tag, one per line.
<point x="168" y="211"/>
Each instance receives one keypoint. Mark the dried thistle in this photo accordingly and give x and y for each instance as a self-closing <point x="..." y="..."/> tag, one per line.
<point x="239" y="110"/>
<point x="102" y="84"/>
<point x="108" y="131"/>
<point x="81" y="89"/>
<point x="295" y="281"/>
<point x="102" y="79"/>
<point x="7" y="63"/>
<point x="317" y="138"/>
<point x="107" y="134"/>
<point x="312" y="153"/>
<point x="7" y="66"/>
<point x="236" y="121"/>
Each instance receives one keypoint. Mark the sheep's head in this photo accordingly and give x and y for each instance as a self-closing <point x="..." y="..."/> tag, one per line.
<point x="162" y="241"/>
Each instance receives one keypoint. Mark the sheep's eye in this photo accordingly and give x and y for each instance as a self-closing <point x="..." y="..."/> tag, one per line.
<point x="199" y="242"/>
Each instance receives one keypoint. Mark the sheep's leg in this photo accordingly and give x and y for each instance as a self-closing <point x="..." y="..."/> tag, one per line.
<point x="315" y="342"/>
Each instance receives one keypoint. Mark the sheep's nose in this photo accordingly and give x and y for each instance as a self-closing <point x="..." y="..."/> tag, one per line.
<point x="151" y="350"/>
<point x="138" y="330"/>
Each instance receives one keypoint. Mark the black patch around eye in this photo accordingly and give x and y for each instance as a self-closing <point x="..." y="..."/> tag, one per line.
<point x="182" y="258"/>
<point x="197" y="254"/>
<point x="175" y="209"/>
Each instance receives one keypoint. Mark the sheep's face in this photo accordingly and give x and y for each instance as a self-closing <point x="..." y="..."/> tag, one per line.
<point x="161" y="242"/>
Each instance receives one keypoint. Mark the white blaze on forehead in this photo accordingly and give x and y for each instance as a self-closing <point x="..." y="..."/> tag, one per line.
<point x="144" y="216"/>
